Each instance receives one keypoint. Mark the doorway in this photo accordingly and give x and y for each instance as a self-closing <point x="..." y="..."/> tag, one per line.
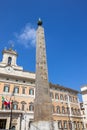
<point x="2" y="123"/>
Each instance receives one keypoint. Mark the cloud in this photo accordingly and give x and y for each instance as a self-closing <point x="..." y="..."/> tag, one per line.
<point x="27" y="36"/>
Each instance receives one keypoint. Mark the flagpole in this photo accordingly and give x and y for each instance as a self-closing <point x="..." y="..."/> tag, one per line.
<point x="10" y="125"/>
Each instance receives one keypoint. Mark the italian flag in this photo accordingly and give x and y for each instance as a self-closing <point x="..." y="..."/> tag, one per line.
<point x="6" y="102"/>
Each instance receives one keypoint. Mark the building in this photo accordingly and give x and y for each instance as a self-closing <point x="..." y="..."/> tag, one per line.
<point x="66" y="108"/>
<point x="84" y="104"/>
<point x="18" y="86"/>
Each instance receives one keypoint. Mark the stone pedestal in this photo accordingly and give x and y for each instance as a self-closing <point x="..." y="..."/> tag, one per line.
<point x="42" y="125"/>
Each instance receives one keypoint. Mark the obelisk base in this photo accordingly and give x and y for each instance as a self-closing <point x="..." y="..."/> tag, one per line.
<point x="43" y="125"/>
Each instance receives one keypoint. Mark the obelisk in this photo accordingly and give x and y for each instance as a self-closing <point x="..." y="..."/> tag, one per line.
<point x="42" y="103"/>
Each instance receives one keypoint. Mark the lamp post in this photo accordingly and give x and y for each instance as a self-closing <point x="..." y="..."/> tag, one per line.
<point x="10" y="125"/>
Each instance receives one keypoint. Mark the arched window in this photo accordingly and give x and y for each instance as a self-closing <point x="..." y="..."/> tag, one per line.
<point x="65" y="124"/>
<point x="23" y="105"/>
<point x="59" y="124"/>
<point x="70" y="125"/>
<point x="82" y="124"/>
<point x="58" y="109"/>
<point x="78" y="125"/>
<point x="61" y="96"/>
<point x="31" y="107"/>
<point x="75" y="111"/>
<point x="56" y="96"/>
<point x="31" y="92"/>
<point x="70" y="98"/>
<point x="78" y="112"/>
<point x="13" y="127"/>
<point x="15" y="105"/>
<point x="68" y="112"/>
<point x="75" y="126"/>
<point x="9" y="60"/>
<point x="76" y="99"/>
<point x="66" y="98"/>
<point x="63" y="109"/>
<point x="30" y="123"/>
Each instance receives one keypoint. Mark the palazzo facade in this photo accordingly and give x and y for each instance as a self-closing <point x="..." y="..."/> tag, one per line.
<point x="18" y="87"/>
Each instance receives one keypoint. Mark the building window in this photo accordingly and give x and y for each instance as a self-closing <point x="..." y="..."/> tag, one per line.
<point x="75" y="111"/>
<point x="68" y="112"/>
<point x="6" y="88"/>
<point x="72" y="111"/>
<point x="31" y="92"/>
<point x="58" y="109"/>
<point x="65" y="124"/>
<point x="76" y="99"/>
<point x="23" y="90"/>
<point x="51" y="95"/>
<point x="31" y="107"/>
<point x="16" y="90"/>
<point x="59" y="124"/>
<point x="82" y="124"/>
<point x="23" y="106"/>
<point x="78" y="125"/>
<point x="70" y="98"/>
<point x="30" y="123"/>
<point x="70" y="125"/>
<point x="73" y="99"/>
<point x="24" y="81"/>
<point x="56" y="96"/>
<point x="66" y="98"/>
<point x="9" y="60"/>
<point x="63" y="109"/>
<point x="75" y="125"/>
<point x="3" y="106"/>
<point x="15" y="106"/>
<point x="61" y="96"/>
<point x="78" y="112"/>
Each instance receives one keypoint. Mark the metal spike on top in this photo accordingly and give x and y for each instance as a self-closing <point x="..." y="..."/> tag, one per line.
<point x="39" y="22"/>
<point x="11" y="46"/>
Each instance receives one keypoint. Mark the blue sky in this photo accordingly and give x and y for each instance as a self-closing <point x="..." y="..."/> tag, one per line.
<point x="65" y="23"/>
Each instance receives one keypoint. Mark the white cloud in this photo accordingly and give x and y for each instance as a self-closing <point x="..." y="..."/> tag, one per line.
<point x="27" y="36"/>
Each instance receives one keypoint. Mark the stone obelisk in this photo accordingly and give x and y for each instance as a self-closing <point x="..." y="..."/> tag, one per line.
<point x="42" y="103"/>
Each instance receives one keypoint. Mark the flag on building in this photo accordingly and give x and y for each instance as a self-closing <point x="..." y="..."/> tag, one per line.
<point x="6" y="103"/>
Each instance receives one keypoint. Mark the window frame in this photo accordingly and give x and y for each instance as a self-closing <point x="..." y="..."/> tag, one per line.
<point x="23" y="90"/>
<point x="9" y="60"/>
<point x="15" y="104"/>
<point x="58" y="109"/>
<point x="31" y="91"/>
<point x="65" y="124"/>
<point x="56" y="96"/>
<point x="6" y="86"/>
<point x="16" y="87"/>
<point x="60" y="124"/>
<point x="31" y="107"/>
